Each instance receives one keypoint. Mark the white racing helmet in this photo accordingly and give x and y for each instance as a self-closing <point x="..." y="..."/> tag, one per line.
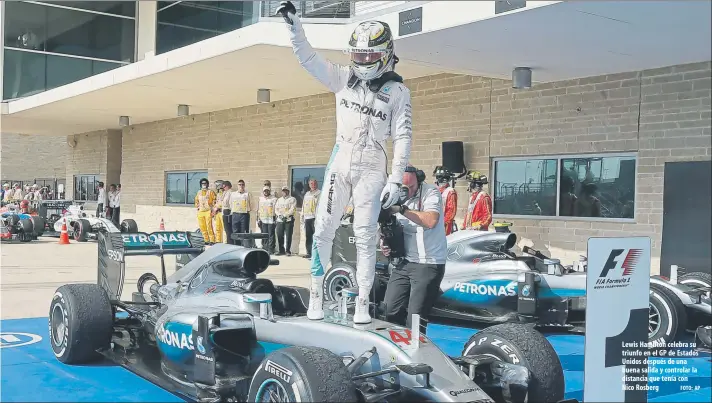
<point x="371" y="50"/>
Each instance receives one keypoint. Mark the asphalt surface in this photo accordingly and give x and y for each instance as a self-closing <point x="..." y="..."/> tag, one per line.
<point x="31" y="272"/>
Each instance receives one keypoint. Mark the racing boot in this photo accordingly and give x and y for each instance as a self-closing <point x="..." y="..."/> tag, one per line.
<point x="361" y="315"/>
<point x="316" y="299"/>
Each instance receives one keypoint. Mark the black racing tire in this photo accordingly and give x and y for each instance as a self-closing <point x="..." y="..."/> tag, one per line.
<point x="128" y="225"/>
<point x="667" y="318"/>
<point x="339" y="276"/>
<point x="82" y="228"/>
<point x="38" y="225"/>
<point x="80" y="323"/>
<point x="303" y="374"/>
<point x="12" y="222"/>
<point x="523" y="345"/>
<point x="25" y="230"/>
<point x="696" y="279"/>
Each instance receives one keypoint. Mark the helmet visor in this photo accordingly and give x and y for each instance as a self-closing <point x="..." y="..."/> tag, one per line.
<point x="366" y="57"/>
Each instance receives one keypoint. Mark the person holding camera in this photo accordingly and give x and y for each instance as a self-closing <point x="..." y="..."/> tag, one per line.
<point x="415" y="279"/>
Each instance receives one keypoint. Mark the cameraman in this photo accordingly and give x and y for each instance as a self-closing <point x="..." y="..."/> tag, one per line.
<point x="414" y="283"/>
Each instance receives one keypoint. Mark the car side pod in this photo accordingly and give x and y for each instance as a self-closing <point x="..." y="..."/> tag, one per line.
<point x="527" y="290"/>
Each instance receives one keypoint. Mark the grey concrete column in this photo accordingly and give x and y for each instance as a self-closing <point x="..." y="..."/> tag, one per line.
<point x="2" y="48"/>
<point x="145" y="29"/>
<point x="114" y="147"/>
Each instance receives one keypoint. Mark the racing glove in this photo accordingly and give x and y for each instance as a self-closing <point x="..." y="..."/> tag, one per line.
<point x="390" y="195"/>
<point x="288" y="11"/>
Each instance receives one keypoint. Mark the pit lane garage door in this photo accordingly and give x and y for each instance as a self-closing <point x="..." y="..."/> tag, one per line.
<point x="687" y="213"/>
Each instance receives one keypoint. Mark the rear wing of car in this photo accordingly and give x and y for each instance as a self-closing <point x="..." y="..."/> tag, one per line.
<point x="161" y="243"/>
<point x="114" y="247"/>
<point x="46" y="208"/>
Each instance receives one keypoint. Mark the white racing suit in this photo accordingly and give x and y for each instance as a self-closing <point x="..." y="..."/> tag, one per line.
<point x="358" y="163"/>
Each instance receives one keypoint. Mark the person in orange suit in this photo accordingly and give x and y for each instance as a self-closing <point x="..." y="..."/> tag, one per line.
<point x="204" y="203"/>
<point x="443" y="179"/>
<point x="479" y="209"/>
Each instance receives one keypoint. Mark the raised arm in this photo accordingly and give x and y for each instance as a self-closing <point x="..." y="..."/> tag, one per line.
<point x="332" y="75"/>
<point x="402" y="133"/>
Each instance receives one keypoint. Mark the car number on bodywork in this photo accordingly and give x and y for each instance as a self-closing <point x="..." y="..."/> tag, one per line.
<point x="403" y="337"/>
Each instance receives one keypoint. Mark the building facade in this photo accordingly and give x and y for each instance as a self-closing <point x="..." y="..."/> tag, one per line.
<point x="547" y="150"/>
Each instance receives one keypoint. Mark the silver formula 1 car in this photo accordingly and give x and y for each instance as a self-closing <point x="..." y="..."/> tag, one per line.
<point x="486" y="283"/>
<point x="82" y="226"/>
<point x="214" y="331"/>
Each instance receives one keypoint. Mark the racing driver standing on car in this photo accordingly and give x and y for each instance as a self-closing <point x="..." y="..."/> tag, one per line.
<point x="204" y="203"/>
<point x="479" y="209"/>
<point x="372" y="104"/>
<point x="443" y="177"/>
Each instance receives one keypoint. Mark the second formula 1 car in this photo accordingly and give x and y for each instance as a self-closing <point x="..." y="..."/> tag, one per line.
<point x="82" y="226"/>
<point x="486" y="283"/>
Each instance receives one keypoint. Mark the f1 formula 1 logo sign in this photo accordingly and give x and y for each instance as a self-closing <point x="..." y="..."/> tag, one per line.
<point x="13" y="339"/>
<point x="617" y="300"/>
<point x="617" y="270"/>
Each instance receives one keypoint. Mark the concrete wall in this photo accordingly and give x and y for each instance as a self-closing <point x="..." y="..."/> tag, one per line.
<point x="663" y="114"/>
<point x="26" y="157"/>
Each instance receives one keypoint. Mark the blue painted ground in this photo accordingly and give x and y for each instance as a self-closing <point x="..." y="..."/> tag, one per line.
<point x="30" y="373"/>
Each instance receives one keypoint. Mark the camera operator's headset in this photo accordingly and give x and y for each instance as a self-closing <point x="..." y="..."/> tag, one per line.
<point x="420" y="177"/>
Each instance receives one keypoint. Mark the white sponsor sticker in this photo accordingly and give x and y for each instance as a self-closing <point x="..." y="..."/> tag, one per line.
<point x="278" y="371"/>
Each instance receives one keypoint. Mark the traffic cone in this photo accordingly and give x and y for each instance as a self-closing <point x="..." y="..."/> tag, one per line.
<point x="162" y="227"/>
<point x="64" y="236"/>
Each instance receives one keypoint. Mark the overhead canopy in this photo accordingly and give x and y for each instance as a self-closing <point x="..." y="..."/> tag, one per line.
<point x="558" y="41"/>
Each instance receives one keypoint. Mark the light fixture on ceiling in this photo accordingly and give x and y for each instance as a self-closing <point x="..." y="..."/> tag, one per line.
<point x="183" y="110"/>
<point x="124" y="121"/>
<point x="522" y="78"/>
<point x="263" y="96"/>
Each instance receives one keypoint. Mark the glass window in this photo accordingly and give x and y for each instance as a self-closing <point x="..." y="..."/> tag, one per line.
<point x="525" y="187"/>
<point x="29" y="73"/>
<point x="90" y="35"/>
<point x="194" y="184"/>
<point x="170" y="37"/>
<point x="98" y="67"/>
<point x="64" y="70"/>
<point x="72" y="32"/>
<point x="597" y="187"/>
<point x="300" y="177"/>
<point x="188" y="22"/>
<point x="85" y="187"/>
<point x="23" y="73"/>
<point x="181" y="187"/>
<point x="587" y="186"/>
<point x="312" y="9"/>
<point x="125" y="8"/>
<point x="25" y="25"/>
